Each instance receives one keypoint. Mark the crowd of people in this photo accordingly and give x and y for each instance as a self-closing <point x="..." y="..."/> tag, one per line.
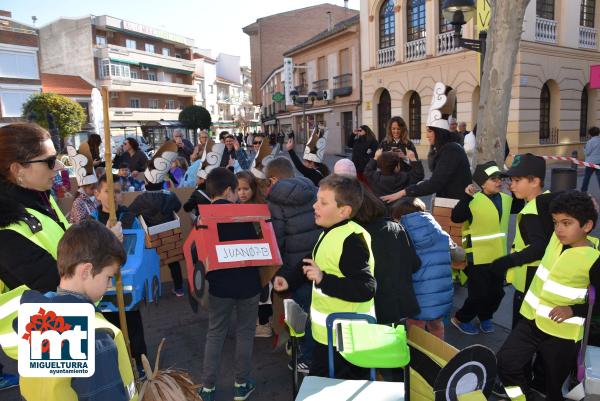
<point x="357" y="239"/>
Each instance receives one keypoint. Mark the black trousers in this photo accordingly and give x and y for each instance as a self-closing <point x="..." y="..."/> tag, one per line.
<point x="557" y="356"/>
<point x="135" y="328"/>
<point x="343" y="368"/>
<point x="176" y="275"/>
<point x="485" y="294"/>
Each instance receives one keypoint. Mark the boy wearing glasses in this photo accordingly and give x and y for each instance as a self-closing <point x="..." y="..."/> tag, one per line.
<point x="485" y="215"/>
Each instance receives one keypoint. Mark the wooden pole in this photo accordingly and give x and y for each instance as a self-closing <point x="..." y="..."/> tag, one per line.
<point x="112" y="220"/>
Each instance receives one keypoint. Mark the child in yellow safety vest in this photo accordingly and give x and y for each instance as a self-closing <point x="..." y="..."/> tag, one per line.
<point x="533" y="226"/>
<point x="555" y="306"/>
<point x="89" y="255"/>
<point x="340" y="269"/>
<point x="485" y="216"/>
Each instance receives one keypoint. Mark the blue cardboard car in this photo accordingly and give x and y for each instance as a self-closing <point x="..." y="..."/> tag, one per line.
<point x="140" y="274"/>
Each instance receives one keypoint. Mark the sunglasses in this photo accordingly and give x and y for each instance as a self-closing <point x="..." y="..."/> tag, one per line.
<point x="50" y="161"/>
<point x="256" y="143"/>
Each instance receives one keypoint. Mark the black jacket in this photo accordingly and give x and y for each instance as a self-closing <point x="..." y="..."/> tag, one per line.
<point x="395" y="262"/>
<point x="198" y="197"/>
<point x="363" y="150"/>
<point x="388" y="184"/>
<point x="156" y="207"/>
<point x="290" y="203"/>
<point x="450" y="176"/>
<point x="311" y="173"/>
<point x="22" y="261"/>
<point x="388" y="145"/>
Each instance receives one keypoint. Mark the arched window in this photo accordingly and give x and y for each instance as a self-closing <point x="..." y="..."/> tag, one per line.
<point x="583" y="115"/>
<point x="387" y="25"/>
<point x="545" y="100"/>
<point x="586" y="16"/>
<point x="545" y="9"/>
<point x="414" y="117"/>
<point x="415" y="19"/>
<point x="445" y="25"/>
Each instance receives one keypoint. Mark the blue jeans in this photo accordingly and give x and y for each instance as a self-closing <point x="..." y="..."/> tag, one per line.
<point x="303" y="296"/>
<point x="588" y="175"/>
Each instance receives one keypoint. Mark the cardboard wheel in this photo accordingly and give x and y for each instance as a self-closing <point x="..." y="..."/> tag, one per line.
<point x="199" y="280"/>
<point x="155" y="287"/>
<point x="473" y="368"/>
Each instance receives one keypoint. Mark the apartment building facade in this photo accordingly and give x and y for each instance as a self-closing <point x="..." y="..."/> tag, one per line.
<point x="19" y="66"/>
<point x="407" y="46"/>
<point x="326" y="66"/>
<point x="273" y="35"/>
<point x="148" y="72"/>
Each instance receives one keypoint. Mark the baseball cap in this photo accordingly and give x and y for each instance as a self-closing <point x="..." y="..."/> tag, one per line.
<point x="528" y="164"/>
<point x="485" y="171"/>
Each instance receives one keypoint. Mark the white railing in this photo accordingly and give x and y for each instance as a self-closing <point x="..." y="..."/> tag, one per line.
<point x="447" y="43"/>
<point x="587" y="37"/>
<point x="416" y="50"/>
<point x="545" y="30"/>
<point x="386" y="56"/>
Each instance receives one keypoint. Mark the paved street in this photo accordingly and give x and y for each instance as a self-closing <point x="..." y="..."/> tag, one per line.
<point x="185" y="331"/>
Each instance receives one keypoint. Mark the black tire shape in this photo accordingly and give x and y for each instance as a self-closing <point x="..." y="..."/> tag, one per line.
<point x="199" y="279"/>
<point x="155" y="290"/>
<point x="473" y="367"/>
<point x="145" y="293"/>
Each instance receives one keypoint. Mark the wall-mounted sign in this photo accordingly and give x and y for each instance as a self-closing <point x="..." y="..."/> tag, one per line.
<point x="278" y="97"/>
<point x="288" y="79"/>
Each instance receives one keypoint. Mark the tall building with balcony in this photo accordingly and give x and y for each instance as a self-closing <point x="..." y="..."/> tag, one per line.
<point x="148" y="72"/>
<point x="328" y="64"/>
<point x="407" y="45"/>
<point x="19" y="66"/>
<point x="273" y="35"/>
<point x="205" y="78"/>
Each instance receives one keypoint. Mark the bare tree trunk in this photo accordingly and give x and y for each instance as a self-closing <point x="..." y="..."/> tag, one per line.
<point x="503" y="42"/>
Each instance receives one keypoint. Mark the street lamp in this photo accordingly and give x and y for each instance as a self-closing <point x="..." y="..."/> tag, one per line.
<point x="459" y="12"/>
<point x="303" y="100"/>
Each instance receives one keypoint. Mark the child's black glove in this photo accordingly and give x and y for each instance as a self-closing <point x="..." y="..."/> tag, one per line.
<point x="499" y="266"/>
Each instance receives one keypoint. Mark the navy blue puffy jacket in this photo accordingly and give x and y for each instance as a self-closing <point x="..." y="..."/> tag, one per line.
<point x="433" y="281"/>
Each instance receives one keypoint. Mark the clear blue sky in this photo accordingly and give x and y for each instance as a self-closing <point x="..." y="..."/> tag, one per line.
<point x="214" y="24"/>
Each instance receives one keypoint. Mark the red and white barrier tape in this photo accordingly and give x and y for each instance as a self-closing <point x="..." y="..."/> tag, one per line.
<point x="573" y="160"/>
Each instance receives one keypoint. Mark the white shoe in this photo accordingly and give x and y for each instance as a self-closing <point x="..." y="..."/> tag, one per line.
<point x="264" y="330"/>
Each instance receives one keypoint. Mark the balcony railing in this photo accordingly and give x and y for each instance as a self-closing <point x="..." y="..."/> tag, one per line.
<point x="545" y="30"/>
<point x="551" y="138"/>
<point x="342" y="81"/>
<point x="321" y="85"/>
<point x="386" y="56"/>
<point x="416" y="50"/>
<point x="587" y="37"/>
<point x="447" y="43"/>
<point x="301" y="89"/>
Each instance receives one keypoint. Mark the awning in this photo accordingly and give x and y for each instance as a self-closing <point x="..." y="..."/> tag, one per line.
<point x="270" y="122"/>
<point x="124" y="124"/>
<point x="174" y="70"/>
<point x="120" y="60"/>
<point x="164" y="124"/>
<point x="312" y="111"/>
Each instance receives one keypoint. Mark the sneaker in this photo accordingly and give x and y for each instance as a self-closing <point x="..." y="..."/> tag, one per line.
<point x="242" y="391"/>
<point x="178" y="292"/>
<point x="263" y="330"/>
<point x="207" y="394"/>
<point x="486" y="326"/>
<point x="8" y="381"/>
<point x="301" y="366"/>
<point x="466" y="328"/>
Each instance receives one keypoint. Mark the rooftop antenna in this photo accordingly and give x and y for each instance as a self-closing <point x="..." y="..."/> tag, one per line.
<point x="34" y="19"/>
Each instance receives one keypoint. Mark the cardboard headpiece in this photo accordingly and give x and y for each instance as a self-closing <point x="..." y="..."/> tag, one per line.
<point x="159" y="166"/>
<point x="442" y="106"/>
<point x="262" y="158"/>
<point x="211" y="158"/>
<point x="315" y="147"/>
<point x="83" y="164"/>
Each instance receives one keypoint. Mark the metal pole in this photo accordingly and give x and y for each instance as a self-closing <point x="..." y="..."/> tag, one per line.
<point x="305" y="122"/>
<point x="482" y="40"/>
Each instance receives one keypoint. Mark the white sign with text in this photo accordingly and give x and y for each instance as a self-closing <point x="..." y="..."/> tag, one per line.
<point x="240" y="252"/>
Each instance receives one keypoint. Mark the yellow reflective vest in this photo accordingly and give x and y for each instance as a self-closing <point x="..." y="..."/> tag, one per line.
<point x="485" y="236"/>
<point x="561" y="279"/>
<point x="326" y="255"/>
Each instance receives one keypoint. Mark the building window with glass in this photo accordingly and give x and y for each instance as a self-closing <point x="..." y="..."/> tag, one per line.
<point x="153" y="103"/>
<point x="444" y="24"/>
<point x="130" y="44"/>
<point x="211" y="89"/>
<point x="134" y="103"/>
<point x="135" y="74"/>
<point x="415" y="10"/>
<point x="545" y="114"/>
<point x="166" y="51"/>
<point x="101" y="40"/>
<point x="586" y="16"/>
<point x="152" y="76"/>
<point x="583" y="114"/>
<point x="149" y="47"/>
<point x="171" y="104"/>
<point x="414" y="117"/>
<point x="387" y="25"/>
<point x="545" y="9"/>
